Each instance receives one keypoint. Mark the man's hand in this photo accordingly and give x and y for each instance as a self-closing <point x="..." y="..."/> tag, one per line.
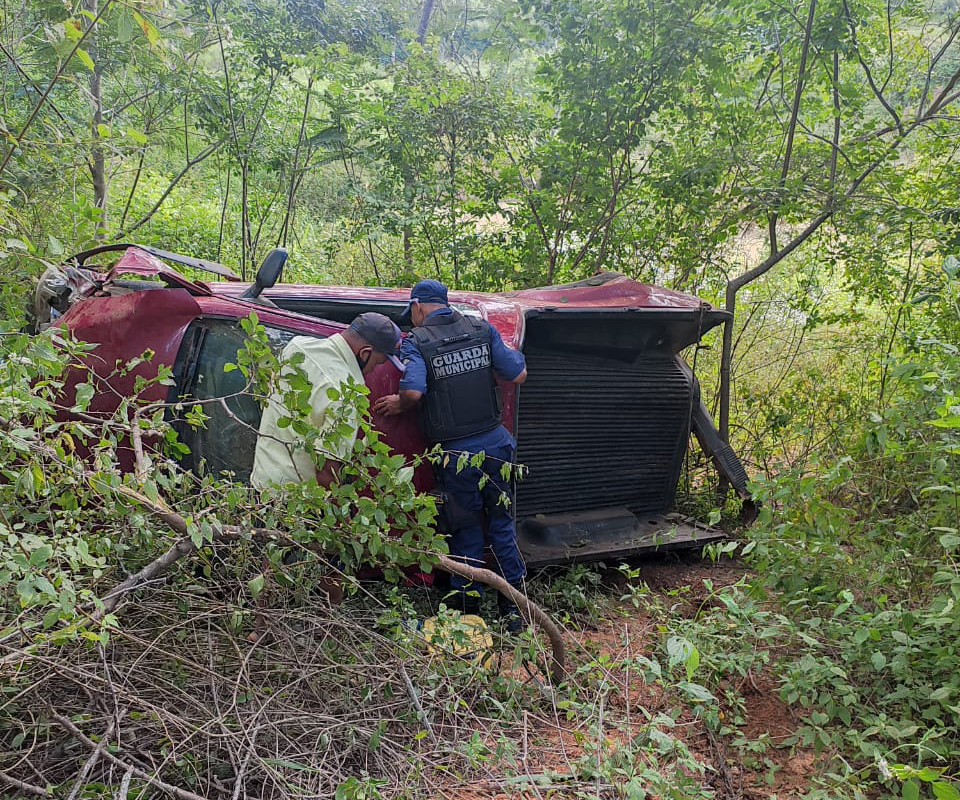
<point x="388" y="405"/>
<point x="392" y="404"/>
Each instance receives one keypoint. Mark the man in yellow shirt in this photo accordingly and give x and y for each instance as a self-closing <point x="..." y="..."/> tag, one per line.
<point x="281" y="457"/>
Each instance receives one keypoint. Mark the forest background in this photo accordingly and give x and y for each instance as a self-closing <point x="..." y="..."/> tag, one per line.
<point x="792" y="162"/>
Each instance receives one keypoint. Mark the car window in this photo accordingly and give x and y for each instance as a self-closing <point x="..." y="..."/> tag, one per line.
<point x="227" y="442"/>
<point x="345" y="309"/>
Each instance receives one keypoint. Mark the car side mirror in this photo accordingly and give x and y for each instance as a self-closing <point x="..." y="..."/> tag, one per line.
<point x="269" y="273"/>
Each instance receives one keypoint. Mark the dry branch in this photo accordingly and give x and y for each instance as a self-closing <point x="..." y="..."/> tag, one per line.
<point x="184" y="546"/>
<point x="531" y="611"/>
<point x="176" y="791"/>
<point x="23" y="786"/>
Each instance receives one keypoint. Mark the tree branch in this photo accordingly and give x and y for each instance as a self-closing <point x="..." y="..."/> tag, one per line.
<point x="794" y="114"/>
<point x="29" y="788"/>
<point x="56" y="76"/>
<point x="877" y="91"/>
<point x="176" y="791"/>
<point x="531" y="611"/>
<point x="203" y="154"/>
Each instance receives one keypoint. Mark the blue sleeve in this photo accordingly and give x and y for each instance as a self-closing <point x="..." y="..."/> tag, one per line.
<point x="507" y="362"/>
<point x="415" y="375"/>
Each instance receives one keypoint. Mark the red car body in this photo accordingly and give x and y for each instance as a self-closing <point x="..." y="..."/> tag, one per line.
<point x="602" y="423"/>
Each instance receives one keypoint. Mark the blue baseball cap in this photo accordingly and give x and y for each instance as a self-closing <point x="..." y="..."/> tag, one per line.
<point x="426" y="291"/>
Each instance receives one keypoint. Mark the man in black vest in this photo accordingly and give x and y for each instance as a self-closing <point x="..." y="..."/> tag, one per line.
<point x="451" y="361"/>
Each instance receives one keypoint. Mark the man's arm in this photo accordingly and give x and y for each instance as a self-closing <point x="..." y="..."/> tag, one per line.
<point x="413" y="383"/>
<point x="508" y="363"/>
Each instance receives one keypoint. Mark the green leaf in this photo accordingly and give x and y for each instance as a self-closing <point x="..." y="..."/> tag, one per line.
<point x="84" y="56"/>
<point x="879" y="660"/>
<point x="949" y="540"/>
<point x="693" y="661"/>
<point x="696" y="692"/>
<point x="255" y="585"/>
<point x="83" y="396"/>
<point x="911" y="790"/>
<point x="148" y="28"/>
<point x="138" y="137"/>
<point x="942" y="790"/>
<point x="942" y="693"/>
<point x="72" y="29"/>
<point x="949" y="421"/>
<point x="103" y="130"/>
<point x="125" y="26"/>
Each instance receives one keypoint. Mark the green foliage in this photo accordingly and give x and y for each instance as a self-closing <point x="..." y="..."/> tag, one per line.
<point x="861" y="555"/>
<point x="69" y="507"/>
<point x="522" y="144"/>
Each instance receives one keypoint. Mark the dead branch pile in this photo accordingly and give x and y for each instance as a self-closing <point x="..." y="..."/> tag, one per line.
<point x="179" y="704"/>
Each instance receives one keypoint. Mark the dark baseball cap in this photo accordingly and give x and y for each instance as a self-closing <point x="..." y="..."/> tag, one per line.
<point x="381" y="333"/>
<point x="426" y="291"/>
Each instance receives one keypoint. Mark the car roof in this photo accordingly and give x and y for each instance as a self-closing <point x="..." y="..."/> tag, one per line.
<point x="608" y="290"/>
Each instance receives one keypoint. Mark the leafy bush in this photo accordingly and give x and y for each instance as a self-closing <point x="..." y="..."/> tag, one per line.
<point x="862" y="554"/>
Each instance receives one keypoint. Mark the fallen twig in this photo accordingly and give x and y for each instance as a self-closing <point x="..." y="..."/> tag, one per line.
<point x="176" y="791"/>
<point x="125" y="784"/>
<point x="94" y="756"/>
<point x="23" y="786"/>
<point x="415" y="699"/>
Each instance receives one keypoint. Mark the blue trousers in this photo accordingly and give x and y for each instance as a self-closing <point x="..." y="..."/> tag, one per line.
<point x="467" y="502"/>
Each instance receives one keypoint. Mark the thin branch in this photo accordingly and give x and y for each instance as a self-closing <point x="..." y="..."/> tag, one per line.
<point x="294" y="170"/>
<point x="163" y="786"/>
<point x="203" y="154"/>
<point x="29" y="788"/>
<point x="877" y="91"/>
<point x="531" y="611"/>
<point x="836" y="123"/>
<point x="94" y="756"/>
<point x="415" y="699"/>
<point x="933" y="63"/>
<point x="29" y="81"/>
<point x="56" y="76"/>
<point x="794" y="114"/>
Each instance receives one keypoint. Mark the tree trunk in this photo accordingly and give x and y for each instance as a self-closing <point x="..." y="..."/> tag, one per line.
<point x="245" y="254"/>
<point x="726" y="358"/>
<point x="98" y="172"/>
<point x="424" y="21"/>
<point x="407" y="233"/>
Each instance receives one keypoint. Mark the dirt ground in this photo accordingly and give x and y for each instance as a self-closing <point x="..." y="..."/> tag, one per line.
<point x="550" y="743"/>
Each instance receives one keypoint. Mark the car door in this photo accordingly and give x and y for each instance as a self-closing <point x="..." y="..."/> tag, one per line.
<point x="225" y="444"/>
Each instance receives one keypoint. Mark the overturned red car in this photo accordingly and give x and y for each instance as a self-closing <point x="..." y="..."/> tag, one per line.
<point x="602" y="423"/>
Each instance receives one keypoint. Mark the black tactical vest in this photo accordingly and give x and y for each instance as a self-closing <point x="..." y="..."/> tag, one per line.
<point x="462" y="395"/>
